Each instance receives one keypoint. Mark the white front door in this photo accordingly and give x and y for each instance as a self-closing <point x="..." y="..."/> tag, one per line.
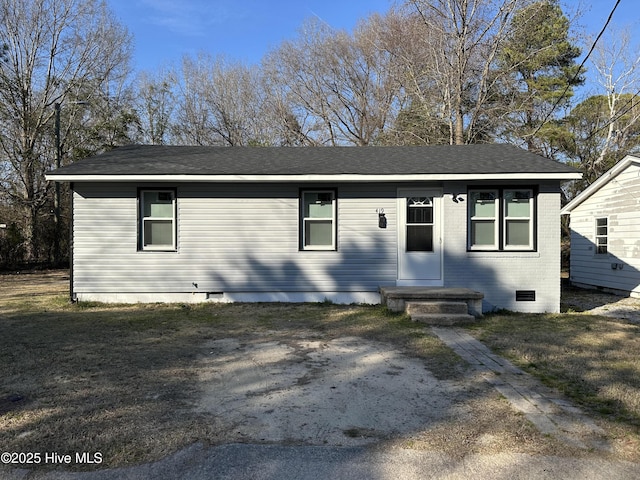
<point x="419" y="237"/>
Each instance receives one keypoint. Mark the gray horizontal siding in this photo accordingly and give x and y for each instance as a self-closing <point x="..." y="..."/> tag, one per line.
<point x="231" y="238"/>
<point x="618" y="201"/>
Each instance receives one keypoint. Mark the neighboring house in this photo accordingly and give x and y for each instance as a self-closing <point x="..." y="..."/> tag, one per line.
<point x="161" y="223"/>
<point x="605" y="231"/>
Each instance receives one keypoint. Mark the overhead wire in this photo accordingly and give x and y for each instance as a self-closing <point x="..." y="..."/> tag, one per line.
<point x="578" y="72"/>
<point x="626" y="108"/>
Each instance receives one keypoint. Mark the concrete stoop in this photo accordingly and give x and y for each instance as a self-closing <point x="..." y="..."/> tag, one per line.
<point x="434" y="305"/>
<point x="439" y="312"/>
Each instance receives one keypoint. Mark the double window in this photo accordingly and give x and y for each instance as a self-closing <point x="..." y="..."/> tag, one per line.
<point x="501" y="219"/>
<point x="157" y="214"/>
<point x="318" y="220"/>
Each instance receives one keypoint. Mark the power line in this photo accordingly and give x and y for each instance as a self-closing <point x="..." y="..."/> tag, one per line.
<point x="627" y="107"/>
<point x="566" y="89"/>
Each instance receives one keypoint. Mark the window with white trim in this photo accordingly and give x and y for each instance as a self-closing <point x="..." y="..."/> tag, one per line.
<point x="501" y="219"/>
<point x="318" y="219"/>
<point x="602" y="236"/>
<point x="483" y="219"/>
<point x="518" y="219"/>
<point x="157" y="219"/>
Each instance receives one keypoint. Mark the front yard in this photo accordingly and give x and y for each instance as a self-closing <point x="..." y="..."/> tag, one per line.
<point x="121" y="379"/>
<point x="593" y="360"/>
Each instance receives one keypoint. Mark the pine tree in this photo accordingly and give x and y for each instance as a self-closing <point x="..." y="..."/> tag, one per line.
<point x="541" y="60"/>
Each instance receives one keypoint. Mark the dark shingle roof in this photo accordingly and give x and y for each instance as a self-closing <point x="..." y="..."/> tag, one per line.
<point x="439" y="159"/>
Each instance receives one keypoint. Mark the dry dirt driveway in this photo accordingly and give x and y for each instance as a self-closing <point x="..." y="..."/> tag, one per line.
<point x="304" y="408"/>
<point x="345" y="392"/>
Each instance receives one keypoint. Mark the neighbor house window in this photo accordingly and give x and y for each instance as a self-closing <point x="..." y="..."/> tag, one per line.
<point x="602" y="235"/>
<point x="501" y="219"/>
<point x="318" y="220"/>
<point x="157" y="219"/>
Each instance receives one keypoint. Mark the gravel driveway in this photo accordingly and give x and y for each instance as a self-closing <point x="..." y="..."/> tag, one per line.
<point x="600" y="303"/>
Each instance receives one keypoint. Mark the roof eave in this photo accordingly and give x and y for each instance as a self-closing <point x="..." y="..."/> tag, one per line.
<point x="315" y="177"/>
<point x="599" y="183"/>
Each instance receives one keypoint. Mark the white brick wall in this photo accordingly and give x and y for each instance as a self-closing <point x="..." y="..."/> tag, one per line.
<point x="499" y="274"/>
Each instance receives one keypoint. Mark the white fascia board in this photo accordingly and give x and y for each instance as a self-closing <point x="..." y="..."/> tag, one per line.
<point x="312" y="178"/>
<point x="600" y="182"/>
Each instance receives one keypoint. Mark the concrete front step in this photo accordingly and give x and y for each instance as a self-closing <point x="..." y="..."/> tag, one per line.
<point x="443" y="319"/>
<point x="396" y="298"/>
<point x="436" y="307"/>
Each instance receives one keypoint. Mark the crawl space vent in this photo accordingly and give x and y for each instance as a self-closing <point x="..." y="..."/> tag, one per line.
<point x="525" y="295"/>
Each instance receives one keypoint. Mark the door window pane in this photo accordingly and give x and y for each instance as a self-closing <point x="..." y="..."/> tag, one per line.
<point x="420" y="238"/>
<point x="419" y="214"/>
<point x="420" y="224"/>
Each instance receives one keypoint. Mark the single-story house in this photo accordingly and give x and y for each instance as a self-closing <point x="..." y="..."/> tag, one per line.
<point x="605" y="231"/>
<point x="187" y="224"/>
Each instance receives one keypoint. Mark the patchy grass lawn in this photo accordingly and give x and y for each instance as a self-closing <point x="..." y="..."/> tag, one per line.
<point x="120" y="379"/>
<point x="593" y="360"/>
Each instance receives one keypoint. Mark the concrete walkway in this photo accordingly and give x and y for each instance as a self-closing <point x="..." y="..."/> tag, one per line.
<point x="546" y="409"/>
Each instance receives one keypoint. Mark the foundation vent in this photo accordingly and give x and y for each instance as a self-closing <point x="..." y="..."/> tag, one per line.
<point x="525" y="295"/>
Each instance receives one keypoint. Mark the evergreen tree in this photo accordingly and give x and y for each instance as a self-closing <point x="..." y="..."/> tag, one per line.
<point x="541" y="60"/>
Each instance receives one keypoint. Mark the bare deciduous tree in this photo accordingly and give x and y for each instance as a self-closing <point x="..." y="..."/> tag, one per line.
<point x="460" y="42"/>
<point x="56" y="51"/>
<point x="219" y="103"/>
<point x="618" y="65"/>
<point x="155" y="104"/>
<point x="605" y="127"/>
<point x="340" y="87"/>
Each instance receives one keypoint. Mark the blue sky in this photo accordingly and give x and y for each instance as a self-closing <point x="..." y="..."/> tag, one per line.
<point x="244" y="30"/>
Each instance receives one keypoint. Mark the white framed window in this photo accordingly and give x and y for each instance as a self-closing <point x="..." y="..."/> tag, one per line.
<point x="518" y="216"/>
<point x="501" y="219"/>
<point x="318" y="220"/>
<point x="157" y="229"/>
<point x="602" y="236"/>
<point x="483" y="219"/>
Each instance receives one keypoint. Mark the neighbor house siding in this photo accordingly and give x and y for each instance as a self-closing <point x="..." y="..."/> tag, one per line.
<point x="232" y="238"/>
<point x="618" y="200"/>
<point x="500" y="274"/>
